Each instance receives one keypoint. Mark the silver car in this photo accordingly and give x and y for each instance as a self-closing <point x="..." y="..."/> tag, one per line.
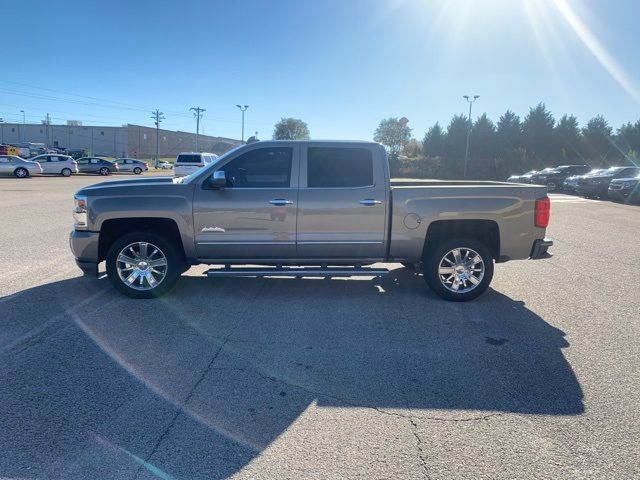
<point x="132" y="165"/>
<point x="19" y="167"/>
<point x="56" y="164"/>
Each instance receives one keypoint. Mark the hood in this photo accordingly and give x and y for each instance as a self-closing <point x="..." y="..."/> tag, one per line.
<point x="125" y="183"/>
<point x="622" y="180"/>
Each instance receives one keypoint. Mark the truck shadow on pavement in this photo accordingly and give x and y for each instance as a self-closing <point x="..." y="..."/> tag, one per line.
<point x="198" y="383"/>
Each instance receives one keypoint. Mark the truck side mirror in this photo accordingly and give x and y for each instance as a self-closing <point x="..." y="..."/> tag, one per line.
<point x="218" y="180"/>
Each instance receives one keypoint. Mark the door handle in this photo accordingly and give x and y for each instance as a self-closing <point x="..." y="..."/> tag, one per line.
<point x="280" y="202"/>
<point x="370" y="202"/>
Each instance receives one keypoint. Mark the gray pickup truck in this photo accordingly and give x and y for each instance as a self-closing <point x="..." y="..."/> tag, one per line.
<point x="305" y="208"/>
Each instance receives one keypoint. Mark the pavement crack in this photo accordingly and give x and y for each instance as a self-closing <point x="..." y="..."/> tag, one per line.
<point x="191" y="392"/>
<point x="420" y="450"/>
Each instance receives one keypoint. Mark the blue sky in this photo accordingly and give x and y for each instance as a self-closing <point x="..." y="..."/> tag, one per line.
<point x="340" y="65"/>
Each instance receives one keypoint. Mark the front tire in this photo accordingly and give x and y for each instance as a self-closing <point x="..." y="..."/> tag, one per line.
<point x="143" y="265"/>
<point x="552" y="186"/>
<point x="459" y="270"/>
<point x="66" y="172"/>
<point x="21" y="172"/>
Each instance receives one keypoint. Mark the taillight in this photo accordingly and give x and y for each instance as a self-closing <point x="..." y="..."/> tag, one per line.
<point x="543" y="211"/>
<point x="74" y="163"/>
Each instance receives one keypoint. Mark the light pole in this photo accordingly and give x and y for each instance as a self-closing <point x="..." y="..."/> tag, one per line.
<point x="197" y="112"/>
<point x="466" y="152"/>
<point x="242" y="109"/>
<point x="23" y="120"/>
<point x="158" y="116"/>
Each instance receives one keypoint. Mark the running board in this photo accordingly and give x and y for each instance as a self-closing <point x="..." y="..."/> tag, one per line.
<point x="296" y="272"/>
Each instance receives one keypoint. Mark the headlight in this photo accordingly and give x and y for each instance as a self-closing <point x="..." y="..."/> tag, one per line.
<point x="80" y="212"/>
<point x="629" y="184"/>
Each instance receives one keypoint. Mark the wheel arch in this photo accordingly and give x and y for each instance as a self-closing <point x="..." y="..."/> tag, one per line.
<point x="485" y="231"/>
<point x="114" y="228"/>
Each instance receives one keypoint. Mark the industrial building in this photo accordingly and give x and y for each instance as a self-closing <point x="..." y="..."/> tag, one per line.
<point x="127" y="141"/>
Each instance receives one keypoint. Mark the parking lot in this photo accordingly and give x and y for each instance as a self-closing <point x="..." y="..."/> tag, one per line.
<point x="317" y="378"/>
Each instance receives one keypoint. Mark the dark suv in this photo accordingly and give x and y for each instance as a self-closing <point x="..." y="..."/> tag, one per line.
<point x="554" y="178"/>
<point x="598" y="185"/>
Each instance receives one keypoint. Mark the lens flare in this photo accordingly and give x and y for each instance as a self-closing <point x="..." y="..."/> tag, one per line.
<point x="597" y="49"/>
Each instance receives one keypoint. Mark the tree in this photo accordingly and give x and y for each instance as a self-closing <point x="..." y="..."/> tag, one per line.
<point x="538" y="133"/>
<point x="628" y="138"/>
<point x="509" y="132"/>
<point x="453" y="165"/>
<point x="413" y="148"/>
<point x="291" y="129"/>
<point x="483" y="138"/>
<point x="433" y="143"/>
<point x="392" y="134"/>
<point x="511" y="154"/>
<point x="568" y="138"/>
<point x="597" y="141"/>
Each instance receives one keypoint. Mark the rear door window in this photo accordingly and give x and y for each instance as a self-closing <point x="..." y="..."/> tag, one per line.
<point x="339" y="167"/>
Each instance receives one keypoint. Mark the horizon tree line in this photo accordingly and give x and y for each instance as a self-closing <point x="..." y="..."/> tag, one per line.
<point x="509" y="146"/>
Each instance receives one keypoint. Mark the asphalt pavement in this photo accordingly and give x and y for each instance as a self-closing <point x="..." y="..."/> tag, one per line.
<point x="317" y="378"/>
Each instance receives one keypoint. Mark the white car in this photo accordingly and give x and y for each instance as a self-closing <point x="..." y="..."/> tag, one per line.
<point x="189" y="162"/>
<point x="165" y="165"/>
<point x="56" y="164"/>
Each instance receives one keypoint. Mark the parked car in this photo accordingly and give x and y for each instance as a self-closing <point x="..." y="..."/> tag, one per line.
<point x="571" y="183"/>
<point x="598" y="185"/>
<point x="625" y="189"/>
<point x="132" y="165"/>
<point x="305" y="208"/>
<point x="56" y="164"/>
<point x="533" y="179"/>
<point x="554" y="178"/>
<point x="18" y="167"/>
<point x="97" y="165"/>
<point x="77" y="153"/>
<point x="165" y="165"/>
<point x="189" y="162"/>
<point x="524" y="178"/>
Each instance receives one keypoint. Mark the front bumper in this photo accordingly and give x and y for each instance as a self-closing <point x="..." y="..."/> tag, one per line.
<point x="619" y="194"/>
<point x="84" y="246"/>
<point x="594" y="189"/>
<point x="539" y="249"/>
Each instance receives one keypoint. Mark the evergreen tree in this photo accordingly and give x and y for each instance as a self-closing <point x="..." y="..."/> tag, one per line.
<point x="433" y="143"/>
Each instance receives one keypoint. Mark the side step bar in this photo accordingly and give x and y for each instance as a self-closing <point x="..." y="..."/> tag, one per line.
<point x="296" y="272"/>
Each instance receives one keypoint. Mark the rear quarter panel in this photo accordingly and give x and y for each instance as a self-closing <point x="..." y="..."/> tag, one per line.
<point x="510" y="206"/>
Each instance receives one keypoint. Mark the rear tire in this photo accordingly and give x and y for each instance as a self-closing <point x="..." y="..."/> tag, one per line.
<point x="104" y="171"/>
<point x="137" y="171"/>
<point x="21" y="172"/>
<point x="66" y="172"/>
<point x="552" y="186"/>
<point x="166" y="273"/>
<point x="467" y="289"/>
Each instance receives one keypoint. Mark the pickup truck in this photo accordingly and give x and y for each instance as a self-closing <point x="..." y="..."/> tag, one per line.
<point x="306" y="208"/>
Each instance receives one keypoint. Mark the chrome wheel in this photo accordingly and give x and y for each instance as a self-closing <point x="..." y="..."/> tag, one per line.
<point x="21" y="173"/>
<point x="461" y="270"/>
<point x="141" y="266"/>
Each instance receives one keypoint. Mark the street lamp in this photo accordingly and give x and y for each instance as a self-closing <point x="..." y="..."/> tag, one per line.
<point x="466" y="152"/>
<point x="23" y="120"/>
<point x="242" y="109"/>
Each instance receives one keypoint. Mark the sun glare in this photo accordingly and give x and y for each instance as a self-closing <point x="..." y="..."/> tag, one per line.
<point x="596" y="48"/>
